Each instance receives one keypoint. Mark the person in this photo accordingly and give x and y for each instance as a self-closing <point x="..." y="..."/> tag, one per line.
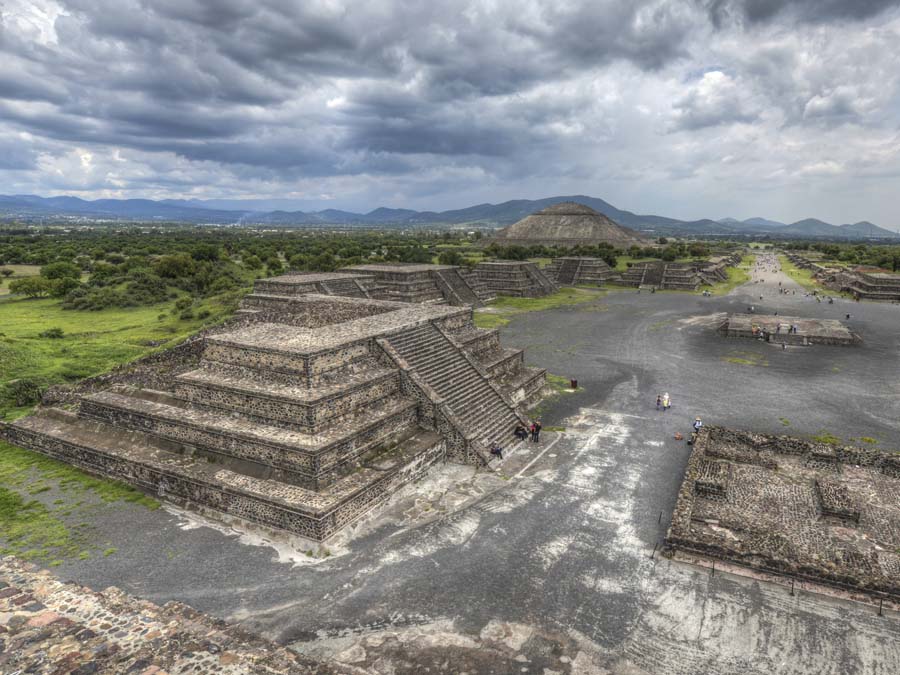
<point x="536" y="434"/>
<point x="658" y="401"/>
<point x="496" y="450"/>
<point x="521" y="433"/>
<point x="667" y="402"/>
<point x="698" y="424"/>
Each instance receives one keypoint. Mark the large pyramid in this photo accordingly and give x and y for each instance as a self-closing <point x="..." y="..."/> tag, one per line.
<point x="568" y="224"/>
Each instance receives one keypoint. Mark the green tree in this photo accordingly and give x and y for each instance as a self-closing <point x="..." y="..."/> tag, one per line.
<point x="61" y="270"/>
<point x="450" y="257"/>
<point x="31" y="287"/>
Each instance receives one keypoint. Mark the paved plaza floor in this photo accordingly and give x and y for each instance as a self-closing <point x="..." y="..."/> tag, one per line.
<point x="549" y="563"/>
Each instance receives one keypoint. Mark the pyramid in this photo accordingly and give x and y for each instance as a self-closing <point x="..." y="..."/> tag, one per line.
<point x="568" y="224"/>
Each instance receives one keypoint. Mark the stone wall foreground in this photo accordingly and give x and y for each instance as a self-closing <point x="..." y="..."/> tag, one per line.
<point x="48" y="626"/>
<point x="789" y="506"/>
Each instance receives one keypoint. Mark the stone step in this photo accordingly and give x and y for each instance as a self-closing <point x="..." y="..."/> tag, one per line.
<point x="307" y="454"/>
<point x="141" y="461"/>
<point x="308" y="408"/>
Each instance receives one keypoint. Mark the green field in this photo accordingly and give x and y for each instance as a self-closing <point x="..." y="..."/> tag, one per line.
<point x="500" y="311"/>
<point x="737" y="276"/>
<point x="92" y="342"/>
<point x="801" y="276"/>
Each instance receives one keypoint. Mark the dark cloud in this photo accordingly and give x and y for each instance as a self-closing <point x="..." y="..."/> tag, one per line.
<point x="812" y="11"/>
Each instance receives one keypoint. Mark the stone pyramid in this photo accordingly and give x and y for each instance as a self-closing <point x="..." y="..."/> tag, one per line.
<point x="568" y="224"/>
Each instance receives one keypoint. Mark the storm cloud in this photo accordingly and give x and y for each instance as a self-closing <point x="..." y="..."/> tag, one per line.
<point x="403" y="103"/>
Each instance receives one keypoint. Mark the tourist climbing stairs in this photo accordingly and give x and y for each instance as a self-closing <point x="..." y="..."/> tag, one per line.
<point x="481" y="409"/>
<point x="568" y="272"/>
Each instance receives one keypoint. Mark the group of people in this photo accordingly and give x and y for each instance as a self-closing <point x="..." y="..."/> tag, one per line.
<point x="663" y="402"/>
<point x="533" y="430"/>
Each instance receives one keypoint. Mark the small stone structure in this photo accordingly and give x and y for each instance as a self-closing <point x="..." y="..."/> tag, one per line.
<point x="779" y="330"/>
<point x="790" y="506"/>
<point x="48" y="626"/>
<point x="714" y="270"/>
<point x="327" y="283"/>
<point x="412" y="282"/>
<point x="662" y="275"/>
<point x="516" y="278"/>
<point x="875" y="286"/>
<point x="580" y="270"/>
<point x="863" y="283"/>
<point x="302" y="413"/>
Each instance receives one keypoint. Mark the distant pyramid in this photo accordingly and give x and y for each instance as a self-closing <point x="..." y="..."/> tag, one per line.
<point x="568" y="224"/>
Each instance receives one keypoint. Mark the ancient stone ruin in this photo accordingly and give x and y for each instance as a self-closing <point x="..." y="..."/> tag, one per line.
<point x="862" y="283"/>
<point x="412" y="282"/>
<point x="788" y="330"/>
<point x="580" y="270"/>
<point x="515" y="278"/>
<point x="302" y="413"/>
<point x="56" y="627"/>
<point x="789" y="506"/>
<point x="662" y="275"/>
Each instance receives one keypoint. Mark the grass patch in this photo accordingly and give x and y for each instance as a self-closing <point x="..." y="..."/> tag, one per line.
<point x="869" y="440"/>
<point x="500" y="311"/>
<point x="826" y="437"/>
<point x="108" y="552"/>
<point x="31" y="531"/>
<point x="747" y="359"/>
<point x="803" y="277"/>
<point x="737" y="276"/>
<point x="784" y="421"/>
<point x="92" y="342"/>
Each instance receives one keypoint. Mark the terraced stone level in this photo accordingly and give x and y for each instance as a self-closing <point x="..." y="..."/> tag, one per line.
<point x="294" y="421"/>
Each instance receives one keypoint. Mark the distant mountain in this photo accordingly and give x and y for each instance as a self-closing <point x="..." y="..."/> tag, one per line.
<point x="219" y="211"/>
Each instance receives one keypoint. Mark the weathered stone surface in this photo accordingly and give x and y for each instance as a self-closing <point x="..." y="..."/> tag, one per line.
<point x="77" y="630"/>
<point x="778" y="329"/>
<point x="790" y="506"/>
<point x="569" y="224"/>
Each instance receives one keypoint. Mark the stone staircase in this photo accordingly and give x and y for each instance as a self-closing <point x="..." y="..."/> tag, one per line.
<point x="568" y="272"/>
<point x="480" y="408"/>
<point x="460" y="290"/>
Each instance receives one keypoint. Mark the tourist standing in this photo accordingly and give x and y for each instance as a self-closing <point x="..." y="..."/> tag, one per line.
<point x="666" y="401"/>
<point x="536" y="433"/>
<point x="658" y="401"/>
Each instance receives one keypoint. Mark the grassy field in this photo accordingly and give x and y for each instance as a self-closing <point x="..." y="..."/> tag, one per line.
<point x="737" y="276"/>
<point x="92" y="342"/>
<point x="801" y="276"/>
<point x="501" y="310"/>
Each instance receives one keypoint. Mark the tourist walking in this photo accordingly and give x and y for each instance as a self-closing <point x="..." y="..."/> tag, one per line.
<point x="666" y="401"/>
<point x="496" y="450"/>
<point x="521" y="432"/>
<point x="658" y="401"/>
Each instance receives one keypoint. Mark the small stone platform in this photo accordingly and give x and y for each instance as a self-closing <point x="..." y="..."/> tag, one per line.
<point x="47" y="626"/>
<point x="785" y="505"/>
<point x="574" y="270"/>
<point x="790" y="330"/>
<point x="515" y="278"/>
<point x="424" y="283"/>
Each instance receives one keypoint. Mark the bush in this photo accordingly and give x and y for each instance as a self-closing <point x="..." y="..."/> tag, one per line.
<point x="204" y="314"/>
<point x="184" y="303"/>
<point x="186" y="314"/>
<point x="52" y="333"/>
<point x="252" y="262"/>
<point x="62" y="287"/>
<point x="25" y="391"/>
<point x="6" y="272"/>
<point x="450" y="257"/>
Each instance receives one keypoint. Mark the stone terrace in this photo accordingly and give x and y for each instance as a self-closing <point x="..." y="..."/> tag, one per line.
<point x="47" y="626"/>
<point x="790" y="506"/>
<point x="300" y="419"/>
<point x="776" y="329"/>
<point x="423" y="283"/>
<point x="515" y="278"/>
<point x="570" y="271"/>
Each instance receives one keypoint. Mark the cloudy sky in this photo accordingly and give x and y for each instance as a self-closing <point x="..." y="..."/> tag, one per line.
<point x="691" y="108"/>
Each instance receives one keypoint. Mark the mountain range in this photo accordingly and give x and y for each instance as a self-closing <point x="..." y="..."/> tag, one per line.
<point x="228" y="212"/>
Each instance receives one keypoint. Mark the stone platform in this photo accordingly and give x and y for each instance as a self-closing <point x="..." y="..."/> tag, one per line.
<point x="789" y="506"/>
<point x="515" y="278"/>
<point x="47" y="626"/>
<point x="412" y="282"/>
<point x="776" y="329"/>
<point x="302" y="415"/>
<point x="574" y="270"/>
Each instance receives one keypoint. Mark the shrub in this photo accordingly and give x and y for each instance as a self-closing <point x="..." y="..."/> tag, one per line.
<point x="24" y="391"/>
<point x="60" y="288"/>
<point x="184" y="303"/>
<point x="450" y="257"/>
<point x="6" y="272"/>
<point x="204" y="314"/>
<point x="186" y="314"/>
<point x="52" y="333"/>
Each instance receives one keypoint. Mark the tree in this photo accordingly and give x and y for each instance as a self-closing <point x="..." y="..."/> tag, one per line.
<point x="6" y="272"/>
<point x="252" y="262"/>
<point x="31" y="287"/>
<point x="60" y="288"/>
<point x="324" y="262"/>
<point x="450" y="257"/>
<point x="61" y="270"/>
<point x="175" y="266"/>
